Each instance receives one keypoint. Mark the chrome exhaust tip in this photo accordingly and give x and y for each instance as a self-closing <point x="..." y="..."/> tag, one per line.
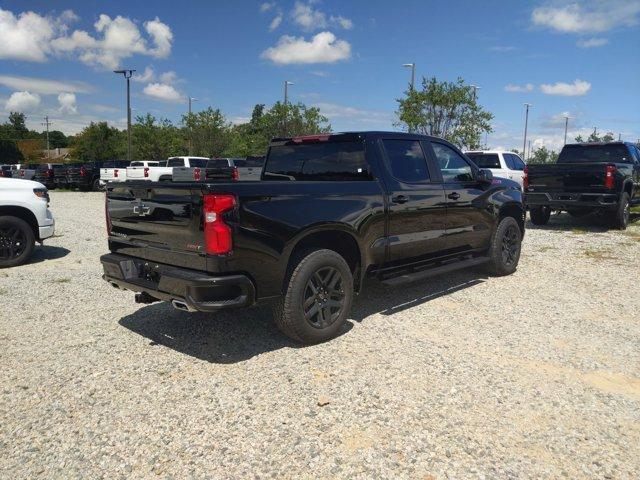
<point x="178" y="305"/>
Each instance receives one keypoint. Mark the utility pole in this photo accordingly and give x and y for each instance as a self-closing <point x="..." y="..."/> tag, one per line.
<point x="413" y="74"/>
<point x="619" y="137"/>
<point x="529" y="155"/>
<point x="191" y="99"/>
<point x="475" y="92"/>
<point x="286" y="101"/>
<point x="127" y="75"/>
<point x="526" y="124"/>
<point x="566" y="125"/>
<point x="47" y="123"/>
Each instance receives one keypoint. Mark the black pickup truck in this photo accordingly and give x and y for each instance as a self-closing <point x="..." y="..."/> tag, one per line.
<point x="329" y="211"/>
<point x="588" y="177"/>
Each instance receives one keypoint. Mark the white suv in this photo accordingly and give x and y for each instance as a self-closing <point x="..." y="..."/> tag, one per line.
<point x="501" y="163"/>
<point x="24" y="219"/>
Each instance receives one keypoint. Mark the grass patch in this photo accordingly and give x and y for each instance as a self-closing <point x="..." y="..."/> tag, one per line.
<point x="598" y="254"/>
<point x="62" y="280"/>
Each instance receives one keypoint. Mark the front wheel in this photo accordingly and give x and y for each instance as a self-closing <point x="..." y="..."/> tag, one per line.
<point x="540" y="215"/>
<point x="504" y="251"/>
<point x="317" y="298"/>
<point x="16" y="241"/>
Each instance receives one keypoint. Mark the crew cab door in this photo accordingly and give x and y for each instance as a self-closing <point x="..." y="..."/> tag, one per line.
<point x="417" y="208"/>
<point x="468" y="222"/>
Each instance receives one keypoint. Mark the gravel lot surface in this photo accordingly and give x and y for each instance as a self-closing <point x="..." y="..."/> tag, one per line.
<point x="536" y="375"/>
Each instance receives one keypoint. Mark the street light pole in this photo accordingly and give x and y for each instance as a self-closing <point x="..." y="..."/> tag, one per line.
<point x="286" y="91"/>
<point x="566" y="126"/>
<point x="127" y="75"/>
<point x="191" y="99"/>
<point x="47" y="123"/>
<point x="475" y="92"/>
<point x="413" y="74"/>
<point x="526" y="124"/>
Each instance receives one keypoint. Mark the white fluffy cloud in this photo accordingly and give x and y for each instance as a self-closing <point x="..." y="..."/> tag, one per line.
<point x="148" y="75"/>
<point x="593" y="16"/>
<point x="577" y="88"/>
<point x="345" y="23"/>
<point x="22" y="102"/>
<point x="266" y="6"/>
<point x="307" y="17"/>
<point x="592" y="42"/>
<point x="322" y="48"/>
<point x="519" y="88"/>
<point x="162" y="91"/>
<point x="44" y="86"/>
<point x="67" y="103"/>
<point x="29" y="36"/>
<point x="275" y="23"/>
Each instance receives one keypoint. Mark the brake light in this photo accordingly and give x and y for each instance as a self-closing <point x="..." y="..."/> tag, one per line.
<point x="115" y="173"/>
<point x="146" y="172"/>
<point x="525" y="178"/>
<point x="609" y="178"/>
<point x="310" y="139"/>
<point x="217" y="234"/>
<point x="22" y="173"/>
<point x="196" y="174"/>
<point x="234" y="174"/>
<point x="83" y="171"/>
<point x="106" y="213"/>
<point x="50" y="173"/>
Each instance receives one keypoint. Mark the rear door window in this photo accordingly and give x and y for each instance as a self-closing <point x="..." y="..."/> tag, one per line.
<point x="406" y="160"/>
<point x="508" y="160"/>
<point x="453" y="166"/>
<point x="485" y="160"/>
<point x="518" y="164"/>
<point x="322" y="161"/>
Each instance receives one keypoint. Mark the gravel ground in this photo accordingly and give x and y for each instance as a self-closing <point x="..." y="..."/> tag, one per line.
<point x="536" y="375"/>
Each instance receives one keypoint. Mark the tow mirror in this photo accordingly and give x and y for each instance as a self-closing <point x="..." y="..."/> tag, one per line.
<point x="484" y="176"/>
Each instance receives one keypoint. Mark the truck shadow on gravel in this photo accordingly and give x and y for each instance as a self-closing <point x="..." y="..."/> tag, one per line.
<point x="587" y="224"/>
<point x="48" y="252"/>
<point x="238" y="335"/>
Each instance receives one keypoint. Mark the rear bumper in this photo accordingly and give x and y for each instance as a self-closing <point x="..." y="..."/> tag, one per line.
<point x="567" y="200"/>
<point x="197" y="290"/>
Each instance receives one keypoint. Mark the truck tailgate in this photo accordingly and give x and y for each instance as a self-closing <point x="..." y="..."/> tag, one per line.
<point x="157" y="223"/>
<point x="136" y="173"/>
<point x="567" y="177"/>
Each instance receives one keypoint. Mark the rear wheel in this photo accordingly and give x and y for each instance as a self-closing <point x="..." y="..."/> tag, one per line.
<point x="504" y="252"/>
<point x="622" y="213"/>
<point x="16" y="241"/>
<point x="96" y="185"/>
<point x="317" y="298"/>
<point x="540" y="215"/>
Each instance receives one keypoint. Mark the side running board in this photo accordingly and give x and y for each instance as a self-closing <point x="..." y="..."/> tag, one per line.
<point x="432" y="272"/>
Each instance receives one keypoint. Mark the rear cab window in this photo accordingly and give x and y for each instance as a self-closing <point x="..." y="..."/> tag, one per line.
<point x="175" y="162"/>
<point x="335" y="160"/>
<point x="613" y="153"/>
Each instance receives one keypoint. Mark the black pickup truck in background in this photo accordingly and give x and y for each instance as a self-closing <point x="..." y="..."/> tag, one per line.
<point x="85" y="176"/>
<point x="329" y="211"/>
<point x="588" y="177"/>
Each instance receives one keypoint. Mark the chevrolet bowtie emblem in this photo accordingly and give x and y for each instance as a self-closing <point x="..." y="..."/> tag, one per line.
<point x="141" y="209"/>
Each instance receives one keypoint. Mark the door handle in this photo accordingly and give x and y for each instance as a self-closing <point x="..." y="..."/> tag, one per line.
<point x="454" y="196"/>
<point x="400" y="199"/>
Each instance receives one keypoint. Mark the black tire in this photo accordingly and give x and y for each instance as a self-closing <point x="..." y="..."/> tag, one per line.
<point x="504" y="251"/>
<point x="320" y="281"/>
<point x="96" y="185"/>
<point x="16" y="241"/>
<point x="622" y="213"/>
<point x="540" y="215"/>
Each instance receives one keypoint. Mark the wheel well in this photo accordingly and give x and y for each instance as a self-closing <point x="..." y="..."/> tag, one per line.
<point x="515" y="211"/>
<point x="629" y="189"/>
<point x="339" y="241"/>
<point x="23" y="213"/>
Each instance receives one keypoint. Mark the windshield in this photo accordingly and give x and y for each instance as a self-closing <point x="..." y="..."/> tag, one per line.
<point x="485" y="160"/>
<point x="612" y="153"/>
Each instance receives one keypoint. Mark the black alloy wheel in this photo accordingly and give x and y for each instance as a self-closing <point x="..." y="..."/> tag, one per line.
<point x="324" y="297"/>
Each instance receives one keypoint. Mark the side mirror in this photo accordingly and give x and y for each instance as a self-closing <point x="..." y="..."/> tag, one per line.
<point x="484" y="176"/>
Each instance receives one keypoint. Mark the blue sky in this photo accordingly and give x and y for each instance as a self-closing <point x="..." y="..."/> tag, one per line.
<point x="345" y="57"/>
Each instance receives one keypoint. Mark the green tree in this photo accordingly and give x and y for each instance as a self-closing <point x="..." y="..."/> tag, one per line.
<point x="445" y="109"/>
<point x="595" y="138"/>
<point x="9" y="152"/>
<point x="209" y="132"/>
<point x="154" y="139"/>
<point x="57" y="139"/>
<point x="543" y="155"/>
<point x="17" y="123"/>
<point x="99" y="142"/>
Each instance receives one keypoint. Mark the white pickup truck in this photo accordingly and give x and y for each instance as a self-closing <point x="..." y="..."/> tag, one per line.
<point x="164" y="171"/>
<point x="25" y="218"/>
<point x="502" y="164"/>
<point x="115" y="171"/>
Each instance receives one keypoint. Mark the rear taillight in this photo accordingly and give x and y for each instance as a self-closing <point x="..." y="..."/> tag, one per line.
<point x="115" y="173"/>
<point x="609" y="176"/>
<point x="217" y="234"/>
<point x="22" y="173"/>
<point x="1" y="173"/>
<point x="83" y="171"/>
<point x="106" y="213"/>
<point x="50" y="173"/>
<point x="525" y="178"/>
<point x="196" y="174"/>
<point x="234" y="174"/>
<point x="146" y="172"/>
